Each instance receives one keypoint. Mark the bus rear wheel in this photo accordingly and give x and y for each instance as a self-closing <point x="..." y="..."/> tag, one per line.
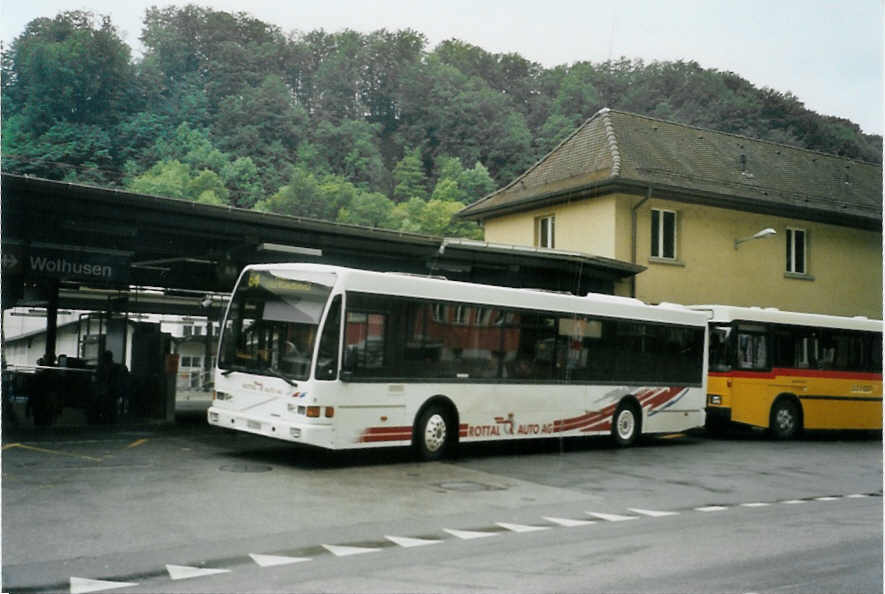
<point x="433" y="437"/>
<point x="626" y="425"/>
<point x="785" y="421"/>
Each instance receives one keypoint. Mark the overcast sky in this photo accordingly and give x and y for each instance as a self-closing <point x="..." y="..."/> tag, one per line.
<point x="827" y="53"/>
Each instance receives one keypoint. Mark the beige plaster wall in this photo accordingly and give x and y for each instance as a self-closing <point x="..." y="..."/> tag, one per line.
<point x="844" y="264"/>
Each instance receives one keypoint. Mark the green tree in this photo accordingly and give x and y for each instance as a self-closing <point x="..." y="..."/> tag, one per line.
<point x="406" y="216"/>
<point x="177" y="180"/>
<point x="300" y="197"/>
<point x="351" y="150"/>
<point x="66" y="83"/>
<point x="447" y="190"/>
<point x="72" y="68"/>
<point x="409" y="177"/>
<point x="437" y="218"/>
<point x="369" y="209"/>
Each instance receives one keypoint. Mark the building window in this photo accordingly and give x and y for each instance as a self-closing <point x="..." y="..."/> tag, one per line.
<point x="796" y="251"/>
<point x="663" y="234"/>
<point x="544" y="232"/>
<point x="187" y="331"/>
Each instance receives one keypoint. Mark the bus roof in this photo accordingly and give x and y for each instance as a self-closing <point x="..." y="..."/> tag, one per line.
<point x="409" y="285"/>
<point x="772" y="315"/>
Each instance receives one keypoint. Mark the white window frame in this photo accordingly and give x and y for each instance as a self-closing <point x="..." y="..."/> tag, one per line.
<point x="791" y="255"/>
<point x="545" y="223"/>
<point x="657" y="251"/>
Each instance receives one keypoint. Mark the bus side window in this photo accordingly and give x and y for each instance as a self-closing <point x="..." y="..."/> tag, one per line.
<point x="805" y="351"/>
<point x="752" y="352"/>
<point x="876" y="353"/>
<point x="364" y="342"/>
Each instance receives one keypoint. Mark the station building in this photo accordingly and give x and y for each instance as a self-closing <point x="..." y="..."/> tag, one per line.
<point x="714" y="217"/>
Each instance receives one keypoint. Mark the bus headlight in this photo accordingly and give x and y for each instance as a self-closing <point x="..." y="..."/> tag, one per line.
<point x="714" y="399"/>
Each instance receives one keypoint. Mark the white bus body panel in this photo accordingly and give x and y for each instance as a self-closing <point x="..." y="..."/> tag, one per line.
<point x="382" y="414"/>
<point x="375" y="414"/>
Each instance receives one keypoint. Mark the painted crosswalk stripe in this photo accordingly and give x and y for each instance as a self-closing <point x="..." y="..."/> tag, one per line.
<point x="611" y="517"/>
<point x="469" y="534"/>
<point x="755" y="504"/>
<point x="274" y="560"/>
<point x="653" y="513"/>
<point x="83" y="585"/>
<point x="569" y="523"/>
<point x="343" y="551"/>
<point x="405" y="541"/>
<point x="711" y="508"/>
<point x="184" y="572"/>
<point x="521" y="527"/>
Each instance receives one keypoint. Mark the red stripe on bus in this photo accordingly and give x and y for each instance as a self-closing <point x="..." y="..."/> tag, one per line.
<point x="373" y="434"/>
<point x="782" y="371"/>
<point x="391" y="437"/>
<point x="378" y="430"/>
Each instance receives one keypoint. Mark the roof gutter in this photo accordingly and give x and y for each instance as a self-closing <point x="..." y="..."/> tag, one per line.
<point x="707" y="198"/>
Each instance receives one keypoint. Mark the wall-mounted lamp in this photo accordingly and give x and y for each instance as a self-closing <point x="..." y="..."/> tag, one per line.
<point x="767" y="232"/>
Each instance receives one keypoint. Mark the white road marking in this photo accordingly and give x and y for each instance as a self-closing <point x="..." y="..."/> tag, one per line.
<point x="755" y="504"/>
<point x="827" y="498"/>
<point x="711" y="508"/>
<point x="184" y="572"/>
<point x="612" y="517"/>
<point x="569" y="523"/>
<point x="653" y="513"/>
<point x="792" y="501"/>
<point x="407" y="542"/>
<point x="274" y="560"/>
<point x="469" y="534"/>
<point x="856" y="496"/>
<point x="342" y="551"/>
<point x="82" y="585"/>
<point x="521" y="527"/>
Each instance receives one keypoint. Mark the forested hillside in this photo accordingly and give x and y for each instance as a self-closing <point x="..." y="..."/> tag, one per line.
<point x="368" y="128"/>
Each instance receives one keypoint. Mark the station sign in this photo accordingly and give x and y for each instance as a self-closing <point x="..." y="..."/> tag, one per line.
<point x="12" y="258"/>
<point x="76" y="264"/>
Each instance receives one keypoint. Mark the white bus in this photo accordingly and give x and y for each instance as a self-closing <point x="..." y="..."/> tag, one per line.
<point x="342" y="358"/>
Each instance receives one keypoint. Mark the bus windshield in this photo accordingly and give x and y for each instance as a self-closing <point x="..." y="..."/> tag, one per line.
<point x="272" y="324"/>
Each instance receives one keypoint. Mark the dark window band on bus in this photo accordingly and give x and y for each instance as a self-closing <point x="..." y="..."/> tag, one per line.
<point x="397" y="338"/>
<point x="760" y="347"/>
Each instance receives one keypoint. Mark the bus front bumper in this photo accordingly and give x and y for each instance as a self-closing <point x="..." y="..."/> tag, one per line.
<point x="718" y="414"/>
<point x="317" y="435"/>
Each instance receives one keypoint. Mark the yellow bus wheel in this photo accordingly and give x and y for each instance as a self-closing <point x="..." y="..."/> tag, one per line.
<point x="785" y="421"/>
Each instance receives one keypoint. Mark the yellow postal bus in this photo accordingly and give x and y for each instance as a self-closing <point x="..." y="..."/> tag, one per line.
<point x="788" y="371"/>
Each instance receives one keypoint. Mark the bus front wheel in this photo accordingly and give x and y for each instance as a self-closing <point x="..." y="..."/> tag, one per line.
<point x="434" y="433"/>
<point x="626" y="425"/>
<point x="786" y="420"/>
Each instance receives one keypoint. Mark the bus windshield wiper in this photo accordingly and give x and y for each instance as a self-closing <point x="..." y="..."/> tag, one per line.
<point x="280" y="375"/>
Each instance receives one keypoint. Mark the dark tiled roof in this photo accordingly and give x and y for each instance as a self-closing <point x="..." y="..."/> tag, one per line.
<point x="615" y="150"/>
